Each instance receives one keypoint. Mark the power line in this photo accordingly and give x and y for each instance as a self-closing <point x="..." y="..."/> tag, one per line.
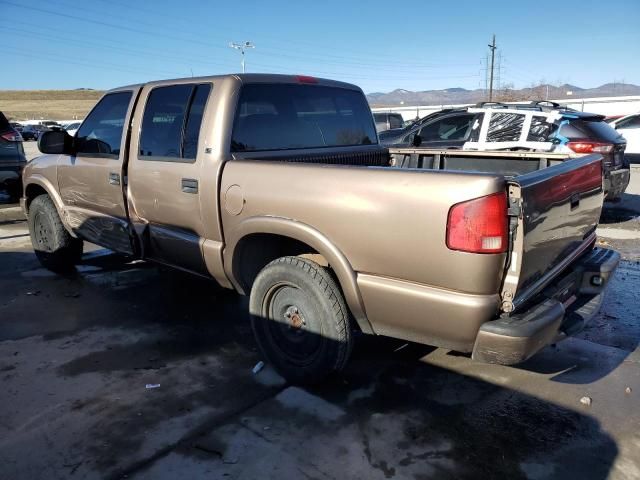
<point x="275" y="68"/>
<point x="324" y="58"/>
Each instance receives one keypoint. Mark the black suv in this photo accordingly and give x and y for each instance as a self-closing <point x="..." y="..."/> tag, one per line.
<point x="568" y="131"/>
<point x="12" y="160"/>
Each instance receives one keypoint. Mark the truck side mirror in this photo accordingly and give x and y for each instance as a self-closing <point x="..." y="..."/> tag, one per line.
<point x="417" y="140"/>
<point x="55" y="142"/>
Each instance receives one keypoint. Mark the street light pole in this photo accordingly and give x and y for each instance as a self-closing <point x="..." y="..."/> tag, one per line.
<point x="242" y="47"/>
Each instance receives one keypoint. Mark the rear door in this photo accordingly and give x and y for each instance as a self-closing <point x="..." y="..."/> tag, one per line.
<point x="91" y="181"/>
<point x="559" y="208"/>
<point x="165" y="173"/>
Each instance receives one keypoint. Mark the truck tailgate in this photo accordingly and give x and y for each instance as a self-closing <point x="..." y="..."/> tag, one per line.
<point x="559" y="209"/>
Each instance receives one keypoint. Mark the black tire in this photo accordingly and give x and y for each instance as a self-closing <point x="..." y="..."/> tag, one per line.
<point x="56" y="249"/>
<point x="300" y="320"/>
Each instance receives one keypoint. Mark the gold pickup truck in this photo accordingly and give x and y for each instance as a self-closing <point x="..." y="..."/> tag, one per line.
<point x="276" y="186"/>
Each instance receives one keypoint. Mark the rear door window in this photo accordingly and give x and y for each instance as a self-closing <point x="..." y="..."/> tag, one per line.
<point x="171" y="122"/>
<point x="505" y="127"/>
<point x="290" y="116"/>
<point x="101" y="133"/>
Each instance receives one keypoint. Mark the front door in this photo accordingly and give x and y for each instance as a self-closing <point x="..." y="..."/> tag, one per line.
<point x="91" y="180"/>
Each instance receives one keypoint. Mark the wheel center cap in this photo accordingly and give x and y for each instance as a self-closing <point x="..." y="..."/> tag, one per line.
<point x="294" y="318"/>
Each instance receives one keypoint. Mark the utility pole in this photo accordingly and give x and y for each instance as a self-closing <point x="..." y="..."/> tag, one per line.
<point x="242" y="47"/>
<point x="492" y="46"/>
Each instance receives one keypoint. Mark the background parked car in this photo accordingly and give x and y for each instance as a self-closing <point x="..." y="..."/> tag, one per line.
<point x="569" y="131"/>
<point x="33" y="132"/>
<point x="386" y="121"/>
<point x="393" y="136"/>
<point x="444" y="129"/>
<point x="12" y="160"/>
<point x="629" y="128"/>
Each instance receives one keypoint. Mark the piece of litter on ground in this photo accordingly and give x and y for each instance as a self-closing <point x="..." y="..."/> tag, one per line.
<point x="627" y="390"/>
<point x="585" y="401"/>
<point x="401" y="347"/>
<point x="152" y="385"/>
<point x="259" y="366"/>
<point x="34" y="293"/>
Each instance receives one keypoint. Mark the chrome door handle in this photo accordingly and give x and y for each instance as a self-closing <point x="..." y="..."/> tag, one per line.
<point x="189" y="185"/>
<point x="114" y="178"/>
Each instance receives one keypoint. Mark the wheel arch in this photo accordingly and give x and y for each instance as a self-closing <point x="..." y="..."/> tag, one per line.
<point x="37" y="186"/>
<point x="278" y="237"/>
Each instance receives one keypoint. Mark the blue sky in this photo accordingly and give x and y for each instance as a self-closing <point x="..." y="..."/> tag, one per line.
<point x="379" y="45"/>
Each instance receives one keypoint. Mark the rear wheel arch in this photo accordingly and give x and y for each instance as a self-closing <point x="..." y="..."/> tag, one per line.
<point x="259" y="240"/>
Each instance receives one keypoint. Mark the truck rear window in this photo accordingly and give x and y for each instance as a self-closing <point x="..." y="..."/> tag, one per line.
<point x="289" y="116"/>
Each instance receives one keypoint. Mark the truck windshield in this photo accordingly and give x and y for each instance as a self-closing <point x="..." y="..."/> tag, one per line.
<point x="289" y="116"/>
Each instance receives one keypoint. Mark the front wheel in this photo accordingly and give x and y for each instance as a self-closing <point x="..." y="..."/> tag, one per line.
<point x="300" y="320"/>
<point x="56" y="249"/>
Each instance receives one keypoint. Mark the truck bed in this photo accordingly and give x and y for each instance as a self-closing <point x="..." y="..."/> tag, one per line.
<point x="555" y="200"/>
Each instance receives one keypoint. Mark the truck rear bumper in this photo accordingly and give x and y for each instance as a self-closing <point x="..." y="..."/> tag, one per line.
<point x="564" y="309"/>
<point x="617" y="183"/>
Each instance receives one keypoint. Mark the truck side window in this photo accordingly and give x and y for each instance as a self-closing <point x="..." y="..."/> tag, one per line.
<point x="101" y="133"/>
<point x="171" y="123"/>
<point x="194" y="121"/>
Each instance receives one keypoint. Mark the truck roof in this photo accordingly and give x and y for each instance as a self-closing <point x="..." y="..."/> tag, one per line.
<point x="248" y="78"/>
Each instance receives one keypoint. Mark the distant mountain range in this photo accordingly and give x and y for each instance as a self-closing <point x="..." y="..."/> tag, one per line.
<point x="462" y="95"/>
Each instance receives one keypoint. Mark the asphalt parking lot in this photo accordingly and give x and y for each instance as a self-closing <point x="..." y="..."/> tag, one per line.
<point x="129" y="370"/>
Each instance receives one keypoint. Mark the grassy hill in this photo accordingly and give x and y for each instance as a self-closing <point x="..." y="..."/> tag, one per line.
<point x="47" y="104"/>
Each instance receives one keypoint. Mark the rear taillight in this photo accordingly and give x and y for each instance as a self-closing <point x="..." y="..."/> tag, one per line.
<point x="11" y="136"/>
<point x="590" y="147"/>
<point x="479" y="225"/>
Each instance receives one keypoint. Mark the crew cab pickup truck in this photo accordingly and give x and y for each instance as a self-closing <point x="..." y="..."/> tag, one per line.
<point x="276" y="186"/>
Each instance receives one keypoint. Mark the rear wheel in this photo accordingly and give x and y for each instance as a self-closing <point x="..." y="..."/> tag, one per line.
<point x="300" y="320"/>
<point x="56" y="249"/>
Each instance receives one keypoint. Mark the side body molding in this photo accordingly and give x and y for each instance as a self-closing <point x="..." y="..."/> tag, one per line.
<point x="304" y="233"/>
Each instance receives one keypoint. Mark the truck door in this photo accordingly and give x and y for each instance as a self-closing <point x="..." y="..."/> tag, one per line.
<point x="164" y="173"/>
<point x="91" y="180"/>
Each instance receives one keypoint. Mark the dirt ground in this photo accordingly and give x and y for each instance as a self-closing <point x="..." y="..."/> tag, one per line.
<point x="47" y="104"/>
<point x="127" y="370"/>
